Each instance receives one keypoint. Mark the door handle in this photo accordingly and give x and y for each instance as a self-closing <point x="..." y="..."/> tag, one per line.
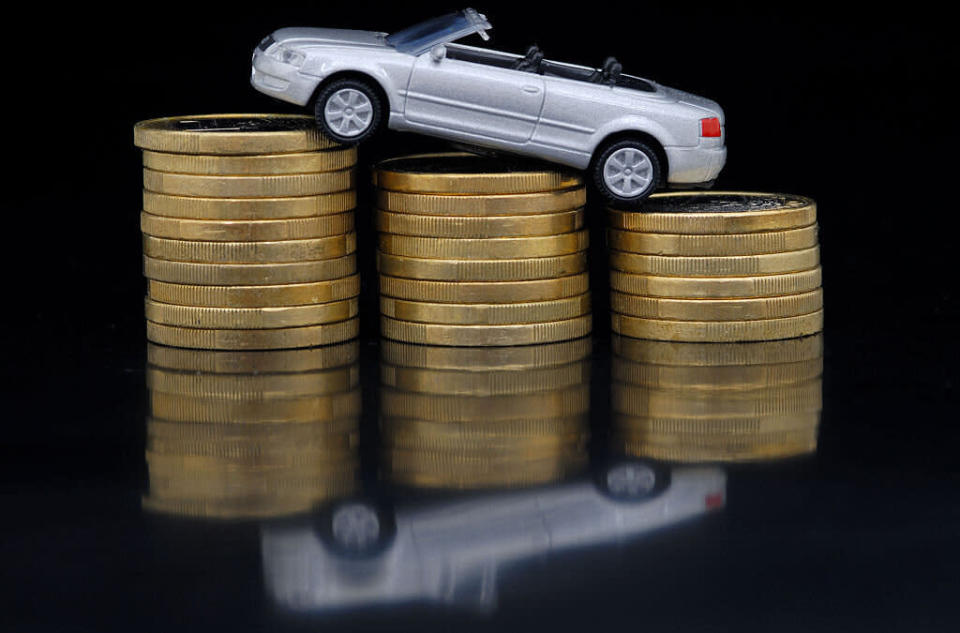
<point x="531" y="89"/>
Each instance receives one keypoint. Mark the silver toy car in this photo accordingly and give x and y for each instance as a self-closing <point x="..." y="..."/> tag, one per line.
<point x="633" y="134"/>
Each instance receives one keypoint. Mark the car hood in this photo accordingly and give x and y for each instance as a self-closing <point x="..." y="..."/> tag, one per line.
<point x="691" y="99"/>
<point x="340" y="37"/>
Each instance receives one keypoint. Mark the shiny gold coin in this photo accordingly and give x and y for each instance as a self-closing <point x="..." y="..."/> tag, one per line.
<point x="255" y="296"/>
<point x="482" y="291"/>
<point x="792" y="261"/>
<point x="250" y="252"/>
<point x="480" y="227"/>
<point x="717" y="213"/>
<point x="486" y="313"/>
<point x="481" y="269"/>
<point x="261" y="164"/>
<point x="253" y="387"/>
<point x="719" y="354"/>
<point x="485" y="249"/>
<point x="248" y="208"/>
<point x="455" y="335"/>
<point x="270" y="362"/>
<point x="251" y="318"/>
<point x="714" y="427"/>
<point x="718" y="331"/>
<point x="733" y="377"/>
<point x="248" y="186"/>
<point x="246" y="230"/>
<point x="484" y="383"/>
<point x="484" y="358"/>
<point x="283" y="338"/>
<point x="320" y="270"/>
<point x="177" y="407"/>
<point x="231" y="134"/>
<point x="482" y="205"/>
<point x="689" y="403"/>
<point x="717" y="287"/>
<point x="716" y="245"/>
<point x="555" y="403"/>
<point x="717" y="309"/>
<point x="462" y="173"/>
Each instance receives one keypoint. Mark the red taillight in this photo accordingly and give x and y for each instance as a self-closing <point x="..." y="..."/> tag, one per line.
<point x="714" y="500"/>
<point x="710" y="128"/>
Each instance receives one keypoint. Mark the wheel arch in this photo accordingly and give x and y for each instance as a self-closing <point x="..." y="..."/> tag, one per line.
<point x="637" y="135"/>
<point x="360" y="75"/>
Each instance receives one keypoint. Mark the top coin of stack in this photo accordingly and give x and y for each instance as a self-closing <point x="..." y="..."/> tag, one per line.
<point x="477" y="251"/>
<point x="716" y="267"/>
<point x="248" y="232"/>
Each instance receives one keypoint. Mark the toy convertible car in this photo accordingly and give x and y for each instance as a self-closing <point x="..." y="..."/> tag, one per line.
<point x="633" y="135"/>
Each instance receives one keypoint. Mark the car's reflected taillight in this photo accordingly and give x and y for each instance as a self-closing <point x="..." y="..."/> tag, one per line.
<point x="710" y="128"/>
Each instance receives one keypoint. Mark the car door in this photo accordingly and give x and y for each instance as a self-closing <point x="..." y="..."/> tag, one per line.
<point x="474" y="99"/>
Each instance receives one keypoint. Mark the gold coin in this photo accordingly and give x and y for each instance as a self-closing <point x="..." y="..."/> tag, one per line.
<point x="437" y="470"/>
<point x="479" y="431"/>
<point x="483" y="291"/>
<point x="262" y="164"/>
<point x="246" y="508"/>
<point x="703" y="428"/>
<point x="496" y="248"/>
<point x="282" y="338"/>
<point x="717" y="309"/>
<point x="493" y="446"/>
<point x="249" y="274"/>
<point x="468" y="335"/>
<point x="556" y="403"/>
<point x="482" y="205"/>
<point x="205" y="409"/>
<point x="717" y="213"/>
<point x="248" y="186"/>
<point x="726" y="245"/>
<point x="736" y="448"/>
<point x="250" y="252"/>
<point x="263" y="443"/>
<point x="689" y="403"/>
<point x="717" y="287"/>
<point x="253" y="387"/>
<point x="719" y="354"/>
<point x="486" y="313"/>
<point x="251" y="318"/>
<point x="248" y="208"/>
<point x="231" y="134"/>
<point x="255" y="296"/>
<point x="462" y="173"/>
<point x="246" y="230"/>
<point x="718" y="331"/>
<point x="270" y="362"/>
<point x="484" y="358"/>
<point x="480" y="227"/>
<point x="481" y="269"/>
<point x="792" y="261"/>
<point x="734" y="377"/>
<point x="484" y="383"/>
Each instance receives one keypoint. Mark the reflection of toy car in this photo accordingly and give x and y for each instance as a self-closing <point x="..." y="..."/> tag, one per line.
<point x="360" y="554"/>
<point x="632" y="133"/>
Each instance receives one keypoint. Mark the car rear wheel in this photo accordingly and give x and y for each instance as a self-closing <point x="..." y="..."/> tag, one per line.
<point x="627" y="171"/>
<point x="348" y="110"/>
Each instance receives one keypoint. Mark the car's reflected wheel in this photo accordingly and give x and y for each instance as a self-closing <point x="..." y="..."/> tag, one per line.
<point x="348" y="110"/>
<point x="627" y="171"/>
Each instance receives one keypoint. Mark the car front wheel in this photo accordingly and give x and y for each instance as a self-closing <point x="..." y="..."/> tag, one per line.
<point x="627" y="171"/>
<point x="348" y="110"/>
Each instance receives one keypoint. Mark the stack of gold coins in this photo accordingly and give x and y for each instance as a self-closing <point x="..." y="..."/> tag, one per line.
<point x="478" y="251"/>
<point x="251" y="434"/>
<point x="716" y="267"/>
<point x="723" y="402"/>
<point x="484" y="417"/>
<point x="247" y="232"/>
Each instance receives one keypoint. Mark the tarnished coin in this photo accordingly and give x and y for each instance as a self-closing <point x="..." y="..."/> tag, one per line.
<point x="331" y="247"/>
<point x="284" y="338"/>
<point x="738" y="265"/>
<point x="249" y="274"/>
<point x="485" y="335"/>
<point x="480" y="227"/>
<point x="717" y="309"/>
<point x="484" y="358"/>
<point x="718" y="331"/>
<point x="481" y="269"/>
<point x="484" y="291"/>
<point x="496" y="248"/>
<point x="268" y="362"/>
<point x="717" y="287"/>
<point x="231" y="134"/>
<point x="255" y="296"/>
<point x="248" y="186"/>
<point x="717" y="213"/>
<point x="725" y="245"/>
<point x="719" y="354"/>
<point x="261" y="164"/>
<point x="246" y="230"/>
<point x="482" y="205"/>
<point x="486" y="313"/>
<point x="251" y="318"/>
<point x="248" y="208"/>
<point x="463" y="173"/>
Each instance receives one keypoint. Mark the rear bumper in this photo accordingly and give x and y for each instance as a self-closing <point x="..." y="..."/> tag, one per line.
<point x="694" y="165"/>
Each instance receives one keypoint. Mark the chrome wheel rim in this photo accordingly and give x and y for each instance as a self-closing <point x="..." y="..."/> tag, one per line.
<point x="356" y="526"/>
<point x="348" y="112"/>
<point x="631" y="480"/>
<point x="628" y="172"/>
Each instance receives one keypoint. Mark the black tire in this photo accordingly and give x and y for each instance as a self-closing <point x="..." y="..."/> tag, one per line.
<point x="334" y="87"/>
<point x="358" y="548"/>
<point x="599" y="165"/>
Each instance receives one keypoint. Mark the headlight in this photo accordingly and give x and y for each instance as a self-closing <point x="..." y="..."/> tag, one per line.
<point x="286" y="55"/>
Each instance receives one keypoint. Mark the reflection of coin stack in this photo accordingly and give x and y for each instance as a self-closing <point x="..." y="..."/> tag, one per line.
<point x="480" y="251"/>
<point x="251" y="434"/>
<point x="716" y="267"/>
<point x="484" y="417"/>
<point x="717" y="401"/>
<point x="248" y="233"/>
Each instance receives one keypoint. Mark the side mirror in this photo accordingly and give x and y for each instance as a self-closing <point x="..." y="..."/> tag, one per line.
<point x="437" y="53"/>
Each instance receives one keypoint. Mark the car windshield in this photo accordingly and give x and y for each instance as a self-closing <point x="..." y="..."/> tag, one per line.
<point x="446" y="28"/>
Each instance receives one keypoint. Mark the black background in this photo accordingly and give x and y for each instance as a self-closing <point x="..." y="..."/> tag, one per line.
<point x="846" y="105"/>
